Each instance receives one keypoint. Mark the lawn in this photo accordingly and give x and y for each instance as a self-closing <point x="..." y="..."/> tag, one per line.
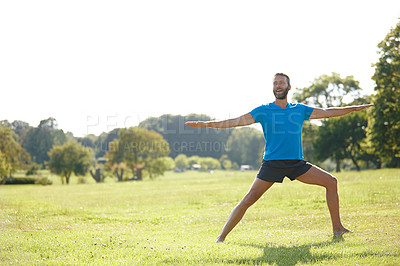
<point x="176" y="218"/>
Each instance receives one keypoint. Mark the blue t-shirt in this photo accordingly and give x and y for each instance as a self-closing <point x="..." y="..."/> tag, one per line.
<point x="282" y="129"/>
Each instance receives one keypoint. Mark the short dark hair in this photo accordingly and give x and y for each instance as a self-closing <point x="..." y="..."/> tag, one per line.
<point x="284" y="75"/>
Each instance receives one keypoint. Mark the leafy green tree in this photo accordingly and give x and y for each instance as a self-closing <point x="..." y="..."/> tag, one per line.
<point x="169" y="162"/>
<point x="139" y="149"/>
<point x="384" y="130"/>
<point x="246" y="146"/>
<point x="33" y="169"/>
<point x="193" y="160"/>
<point x="309" y="134"/>
<point x="88" y="141"/>
<point x="209" y="163"/>
<point x="39" y="141"/>
<point x="332" y="138"/>
<point x="12" y="154"/>
<point x="70" y="158"/>
<point x="100" y="144"/>
<point x="341" y="137"/>
<point x="157" y="167"/>
<point x="19" y="127"/>
<point x="225" y="162"/>
<point x="181" y="161"/>
<point x="329" y="91"/>
<point x="92" y="141"/>
<point x="328" y="143"/>
<point x="5" y="167"/>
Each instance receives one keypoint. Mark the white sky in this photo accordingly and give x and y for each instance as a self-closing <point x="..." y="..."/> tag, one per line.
<point x="97" y="65"/>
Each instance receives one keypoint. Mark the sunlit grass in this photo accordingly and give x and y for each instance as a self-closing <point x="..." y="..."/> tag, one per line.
<point x="176" y="218"/>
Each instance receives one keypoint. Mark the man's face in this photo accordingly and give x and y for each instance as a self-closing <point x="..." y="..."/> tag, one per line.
<point x="281" y="87"/>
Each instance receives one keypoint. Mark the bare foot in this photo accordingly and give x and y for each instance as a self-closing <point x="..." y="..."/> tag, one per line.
<point x="220" y="239"/>
<point x="341" y="231"/>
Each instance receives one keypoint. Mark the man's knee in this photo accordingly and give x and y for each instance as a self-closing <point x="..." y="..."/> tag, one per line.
<point x="332" y="182"/>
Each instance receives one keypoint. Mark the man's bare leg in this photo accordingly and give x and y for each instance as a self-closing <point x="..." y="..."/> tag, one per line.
<point x="256" y="191"/>
<point x="317" y="176"/>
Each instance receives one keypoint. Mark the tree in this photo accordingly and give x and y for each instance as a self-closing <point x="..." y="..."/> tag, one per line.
<point x="225" y="162"/>
<point x="118" y="168"/>
<point x="181" y="162"/>
<point x="96" y="174"/>
<point x="139" y="149"/>
<point x="209" y="163"/>
<point x="169" y="162"/>
<point x="70" y="158"/>
<point x="12" y="154"/>
<point x="309" y="134"/>
<point x="101" y="144"/>
<point x="246" y="146"/>
<point x="157" y="167"/>
<point x="328" y="91"/>
<point x="19" y="127"/>
<point x="341" y="137"/>
<point x="88" y="141"/>
<point x="5" y="167"/>
<point x="193" y="160"/>
<point x="384" y="130"/>
<point x="40" y="140"/>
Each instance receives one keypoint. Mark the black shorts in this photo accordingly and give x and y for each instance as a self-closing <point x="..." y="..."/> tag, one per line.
<point x="276" y="170"/>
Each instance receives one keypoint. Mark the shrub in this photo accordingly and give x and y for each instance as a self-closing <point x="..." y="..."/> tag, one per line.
<point x="20" y="181"/>
<point x="33" y="169"/>
<point x="41" y="180"/>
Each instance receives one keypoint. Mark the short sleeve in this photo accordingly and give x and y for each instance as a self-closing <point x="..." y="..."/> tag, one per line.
<point x="307" y="111"/>
<point x="256" y="113"/>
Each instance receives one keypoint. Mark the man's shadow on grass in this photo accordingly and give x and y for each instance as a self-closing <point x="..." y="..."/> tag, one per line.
<point x="291" y="255"/>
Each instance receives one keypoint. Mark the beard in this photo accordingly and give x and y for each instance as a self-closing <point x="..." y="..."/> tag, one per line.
<point x="283" y="94"/>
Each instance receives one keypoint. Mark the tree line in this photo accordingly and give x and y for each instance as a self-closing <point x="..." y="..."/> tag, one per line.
<point x="367" y="139"/>
<point x="145" y="150"/>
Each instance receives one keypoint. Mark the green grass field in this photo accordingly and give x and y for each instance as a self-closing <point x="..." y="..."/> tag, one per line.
<point x="176" y="218"/>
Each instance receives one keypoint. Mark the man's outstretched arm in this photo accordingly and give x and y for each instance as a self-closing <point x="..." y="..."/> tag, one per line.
<point x="319" y="113"/>
<point x="243" y="120"/>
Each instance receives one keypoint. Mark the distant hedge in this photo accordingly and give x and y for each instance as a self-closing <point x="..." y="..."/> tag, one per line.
<point x="26" y="181"/>
<point x="19" y="181"/>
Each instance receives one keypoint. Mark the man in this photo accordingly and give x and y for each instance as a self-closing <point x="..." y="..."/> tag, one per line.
<point x="282" y="124"/>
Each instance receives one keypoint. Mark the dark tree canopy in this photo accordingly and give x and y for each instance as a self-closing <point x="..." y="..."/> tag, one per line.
<point x="384" y="133"/>
<point x="70" y="158"/>
<point x="39" y="140"/>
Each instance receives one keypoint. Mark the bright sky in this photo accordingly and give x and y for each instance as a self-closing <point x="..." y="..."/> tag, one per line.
<point x="97" y="65"/>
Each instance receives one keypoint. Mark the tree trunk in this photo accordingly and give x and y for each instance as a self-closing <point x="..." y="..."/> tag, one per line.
<point x="96" y="176"/>
<point x="378" y="164"/>
<point x="337" y="165"/>
<point x="119" y="175"/>
<point x="67" y="178"/>
<point x="394" y="162"/>
<point x="139" y="174"/>
<point x="355" y="162"/>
